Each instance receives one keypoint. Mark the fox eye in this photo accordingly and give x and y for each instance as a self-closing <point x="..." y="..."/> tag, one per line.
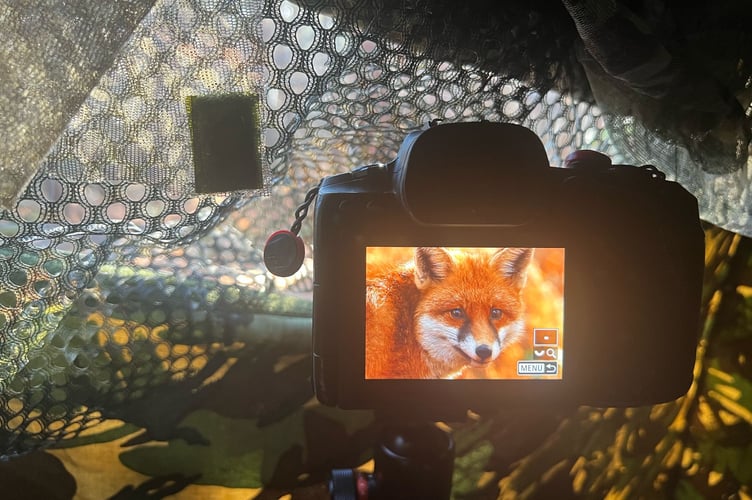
<point x="496" y="313"/>
<point x="457" y="313"/>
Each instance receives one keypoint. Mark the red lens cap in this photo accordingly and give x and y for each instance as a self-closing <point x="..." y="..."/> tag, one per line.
<point x="284" y="253"/>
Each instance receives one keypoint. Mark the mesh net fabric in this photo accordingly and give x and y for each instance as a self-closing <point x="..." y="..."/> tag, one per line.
<point x="51" y="57"/>
<point x="118" y="285"/>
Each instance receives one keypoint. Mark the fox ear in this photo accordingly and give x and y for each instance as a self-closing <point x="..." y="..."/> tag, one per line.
<point x="513" y="262"/>
<point x="431" y="264"/>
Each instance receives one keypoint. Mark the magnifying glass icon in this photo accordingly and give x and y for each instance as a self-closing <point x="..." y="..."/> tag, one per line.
<point x="551" y="352"/>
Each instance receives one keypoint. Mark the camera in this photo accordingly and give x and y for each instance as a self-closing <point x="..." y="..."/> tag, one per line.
<point x="469" y="274"/>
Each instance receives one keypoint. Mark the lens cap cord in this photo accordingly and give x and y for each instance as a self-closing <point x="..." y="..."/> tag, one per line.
<point x="284" y="250"/>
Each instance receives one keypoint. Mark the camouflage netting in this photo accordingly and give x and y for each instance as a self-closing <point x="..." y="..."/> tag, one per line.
<point x="119" y="286"/>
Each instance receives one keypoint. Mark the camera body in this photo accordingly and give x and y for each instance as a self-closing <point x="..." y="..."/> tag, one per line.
<point x="470" y="274"/>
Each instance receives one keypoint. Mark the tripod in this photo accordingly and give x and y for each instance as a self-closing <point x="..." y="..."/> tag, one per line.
<point x="412" y="460"/>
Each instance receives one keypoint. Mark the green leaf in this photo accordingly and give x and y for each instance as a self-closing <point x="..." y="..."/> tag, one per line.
<point x="733" y="391"/>
<point x="469" y="468"/>
<point x="741" y="464"/>
<point x="685" y="491"/>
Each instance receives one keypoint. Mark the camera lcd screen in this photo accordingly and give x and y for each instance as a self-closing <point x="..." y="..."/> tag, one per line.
<point x="464" y="313"/>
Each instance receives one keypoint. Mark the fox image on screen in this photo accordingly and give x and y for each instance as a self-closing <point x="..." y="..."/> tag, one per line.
<point x="446" y="313"/>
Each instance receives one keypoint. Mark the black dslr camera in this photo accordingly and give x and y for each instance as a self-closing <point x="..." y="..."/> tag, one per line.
<point x="469" y="274"/>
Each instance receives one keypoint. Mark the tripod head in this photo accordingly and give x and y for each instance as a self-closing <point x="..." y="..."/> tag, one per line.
<point x="411" y="460"/>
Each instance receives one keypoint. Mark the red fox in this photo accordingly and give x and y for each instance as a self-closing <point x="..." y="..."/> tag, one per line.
<point x="445" y="311"/>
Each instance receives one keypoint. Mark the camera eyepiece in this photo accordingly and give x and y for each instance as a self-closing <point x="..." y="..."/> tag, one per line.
<point x="587" y="158"/>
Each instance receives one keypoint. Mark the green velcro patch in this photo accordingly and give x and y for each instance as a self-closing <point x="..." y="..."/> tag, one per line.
<point x="225" y="135"/>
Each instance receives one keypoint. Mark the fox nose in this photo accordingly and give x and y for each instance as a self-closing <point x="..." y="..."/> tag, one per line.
<point x="483" y="352"/>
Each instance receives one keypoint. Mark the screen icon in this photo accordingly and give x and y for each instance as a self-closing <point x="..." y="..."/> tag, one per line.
<point x="545" y="353"/>
<point x="531" y="368"/>
<point x="537" y="368"/>
<point x="545" y="336"/>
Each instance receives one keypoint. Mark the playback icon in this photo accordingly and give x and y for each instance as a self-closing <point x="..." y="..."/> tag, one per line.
<point x="546" y="337"/>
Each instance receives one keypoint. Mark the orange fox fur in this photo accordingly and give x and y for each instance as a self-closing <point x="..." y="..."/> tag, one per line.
<point x="443" y="312"/>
